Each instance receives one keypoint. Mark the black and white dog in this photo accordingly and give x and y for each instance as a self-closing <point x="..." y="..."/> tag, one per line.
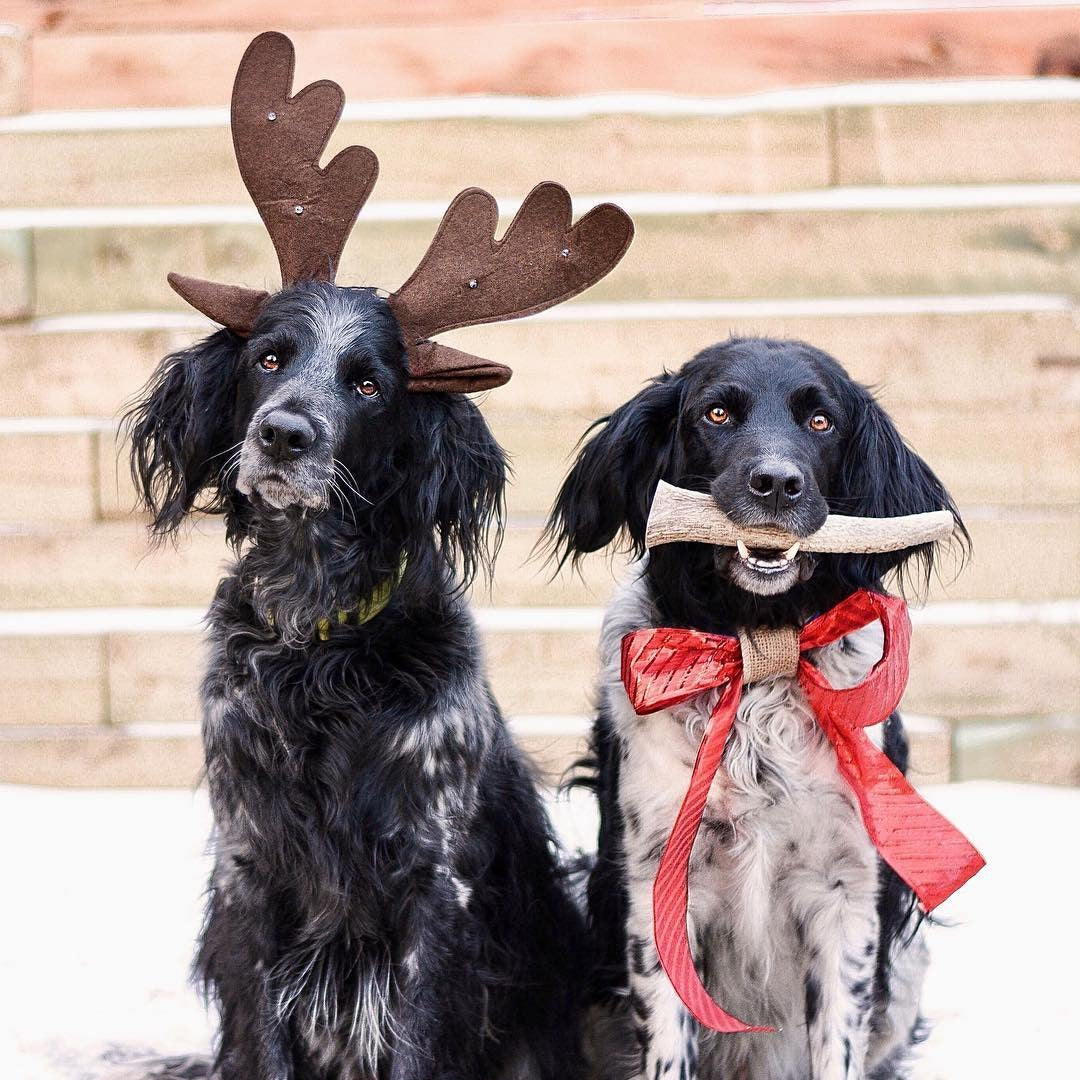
<point x="796" y="920"/>
<point x="386" y="900"/>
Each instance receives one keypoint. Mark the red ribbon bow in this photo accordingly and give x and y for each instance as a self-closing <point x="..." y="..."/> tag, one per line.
<point x="662" y="667"/>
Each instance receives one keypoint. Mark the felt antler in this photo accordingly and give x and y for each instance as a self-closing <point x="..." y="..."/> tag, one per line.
<point x="308" y="211"/>
<point x="468" y="277"/>
<point x="678" y="515"/>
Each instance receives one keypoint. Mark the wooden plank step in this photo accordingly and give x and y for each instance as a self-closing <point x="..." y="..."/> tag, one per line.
<point x="111" y="564"/>
<point x="950" y="349"/>
<point x="986" y="132"/>
<point x="135" y="755"/>
<point x="55" y="473"/>
<point x="954" y="144"/>
<point x="963" y="668"/>
<point x="753" y="152"/>
<point x="98" y="757"/>
<point x="14" y="69"/>
<point x="1044" y="749"/>
<point x="61" y="17"/>
<point x="70" y="471"/>
<point x="837" y="242"/>
<point x="17" y="298"/>
<point x="170" y="755"/>
<point x="122" y="68"/>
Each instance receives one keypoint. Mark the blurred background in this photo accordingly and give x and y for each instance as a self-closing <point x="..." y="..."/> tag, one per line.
<point x="885" y="180"/>
<point x="896" y="181"/>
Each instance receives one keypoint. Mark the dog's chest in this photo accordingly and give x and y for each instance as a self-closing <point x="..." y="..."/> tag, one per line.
<point x="779" y="816"/>
<point x="777" y="768"/>
<point x="343" y="825"/>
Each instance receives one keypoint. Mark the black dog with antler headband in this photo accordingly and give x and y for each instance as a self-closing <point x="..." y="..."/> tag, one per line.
<point x="466" y="277"/>
<point x="385" y="900"/>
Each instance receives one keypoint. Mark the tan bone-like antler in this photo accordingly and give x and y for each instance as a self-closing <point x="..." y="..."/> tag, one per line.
<point x="308" y="211"/>
<point x="468" y="277"/>
<point x="679" y="516"/>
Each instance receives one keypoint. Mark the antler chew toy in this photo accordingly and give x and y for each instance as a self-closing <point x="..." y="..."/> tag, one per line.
<point x="466" y="277"/>
<point x="678" y="515"/>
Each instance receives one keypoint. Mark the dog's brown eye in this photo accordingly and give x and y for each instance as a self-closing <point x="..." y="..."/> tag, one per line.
<point x="820" y="422"/>
<point x="367" y="388"/>
<point x="269" y="362"/>
<point x="718" y="415"/>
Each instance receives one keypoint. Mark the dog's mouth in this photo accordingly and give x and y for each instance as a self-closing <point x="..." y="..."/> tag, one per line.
<point x="279" y="495"/>
<point x="764" y="561"/>
<point x="273" y="490"/>
<point x="765" y="571"/>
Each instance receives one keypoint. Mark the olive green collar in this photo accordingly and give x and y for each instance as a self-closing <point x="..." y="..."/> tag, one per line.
<point x="367" y="609"/>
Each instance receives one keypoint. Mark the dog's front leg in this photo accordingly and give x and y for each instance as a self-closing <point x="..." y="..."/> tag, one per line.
<point x="234" y="960"/>
<point x="437" y="1033"/>
<point x="665" y="1030"/>
<point x="840" y="927"/>
<point x="667" y="1034"/>
<point x="252" y="1044"/>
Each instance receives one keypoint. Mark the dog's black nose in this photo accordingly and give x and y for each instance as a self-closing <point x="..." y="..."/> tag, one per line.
<point x="779" y="484"/>
<point x="285" y="434"/>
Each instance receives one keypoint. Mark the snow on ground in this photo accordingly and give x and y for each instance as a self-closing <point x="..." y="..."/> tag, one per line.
<point x="102" y="896"/>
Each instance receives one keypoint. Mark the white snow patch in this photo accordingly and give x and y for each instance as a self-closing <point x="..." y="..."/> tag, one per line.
<point x="103" y="897"/>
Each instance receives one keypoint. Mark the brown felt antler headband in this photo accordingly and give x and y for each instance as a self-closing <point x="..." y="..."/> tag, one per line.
<point x="466" y="277"/>
<point x="678" y="515"/>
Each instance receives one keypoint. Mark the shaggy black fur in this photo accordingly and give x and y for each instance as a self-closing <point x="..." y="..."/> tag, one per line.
<point x="386" y="900"/>
<point x="768" y="391"/>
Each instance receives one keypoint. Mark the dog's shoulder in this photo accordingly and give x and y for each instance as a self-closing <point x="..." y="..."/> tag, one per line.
<point x="631" y="608"/>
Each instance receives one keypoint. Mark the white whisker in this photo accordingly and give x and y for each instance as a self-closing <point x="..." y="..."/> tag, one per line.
<point x="229" y="450"/>
<point x="345" y="504"/>
<point x="349" y="480"/>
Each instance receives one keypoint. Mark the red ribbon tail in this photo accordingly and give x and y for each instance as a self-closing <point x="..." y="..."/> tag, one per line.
<point x="671" y="890"/>
<point x="924" y="848"/>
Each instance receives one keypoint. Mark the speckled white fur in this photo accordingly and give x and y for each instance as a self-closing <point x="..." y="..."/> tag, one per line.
<point x="783" y="881"/>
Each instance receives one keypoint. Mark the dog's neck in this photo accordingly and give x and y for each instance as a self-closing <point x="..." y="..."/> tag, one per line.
<point x="297" y="571"/>
<point x="689" y="590"/>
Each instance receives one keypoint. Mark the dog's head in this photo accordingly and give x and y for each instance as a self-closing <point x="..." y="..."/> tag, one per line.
<point x="309" y="419"/>
<point x="778" y="434"/>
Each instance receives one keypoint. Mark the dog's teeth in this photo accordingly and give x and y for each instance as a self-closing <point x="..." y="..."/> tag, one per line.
<point x="792" y="551"/>
<point x="744" y="551"/>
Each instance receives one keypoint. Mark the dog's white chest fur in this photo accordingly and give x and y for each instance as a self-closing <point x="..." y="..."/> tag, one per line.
<point x="782" y="866"/>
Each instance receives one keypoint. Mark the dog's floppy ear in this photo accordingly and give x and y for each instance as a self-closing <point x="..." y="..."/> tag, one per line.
<point x="178" y="429"/>
<point x="610" y="487"/>
<point x="457" y="489"/>
<point x="881" y="476"/>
